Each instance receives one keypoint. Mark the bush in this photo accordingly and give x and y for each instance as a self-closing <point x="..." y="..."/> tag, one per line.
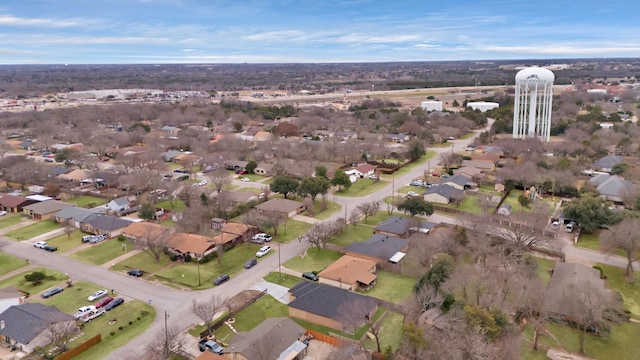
<point x="121" y="238"/>
<point x="35" y="277"/>
<point x="138" y="318"/>
<point x="120" y="328"/>
<point x="130" y="322"/>
<point x="187" y="258"/>
<point x="144" y="313"/>
<point x="112" y="333"/>
<point x="173" y="257"/>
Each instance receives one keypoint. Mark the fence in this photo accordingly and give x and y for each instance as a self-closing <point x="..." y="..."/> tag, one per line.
<point x="232" y="313"/>
<point x="323" y="337"/>
<point x="80" y="348"/>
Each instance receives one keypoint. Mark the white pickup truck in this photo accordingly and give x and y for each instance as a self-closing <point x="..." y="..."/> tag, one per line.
<point x="91" y="315"/>
<point x="83" y="311"/>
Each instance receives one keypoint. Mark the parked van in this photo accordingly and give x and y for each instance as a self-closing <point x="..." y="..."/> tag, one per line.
<point x="569" y="228"/>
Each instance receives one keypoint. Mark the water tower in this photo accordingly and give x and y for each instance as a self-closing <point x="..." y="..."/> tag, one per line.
<point x="532" y="105"/>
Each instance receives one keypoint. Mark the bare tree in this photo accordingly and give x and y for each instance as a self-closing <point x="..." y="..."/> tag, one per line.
<point x="166" y="344"/>
<point x="59" y="334"/>
<point x="354" y="217"/>
<point x="219" y="178"/>
<point x="153" y="242"/>
<point x="355" y="314"/>
<point x="369" y="208"/>
<point x="321" y="233"/>
<point x="68" y="228"/>
<point x="206" y="310"/>
<point x="623" y="235"/>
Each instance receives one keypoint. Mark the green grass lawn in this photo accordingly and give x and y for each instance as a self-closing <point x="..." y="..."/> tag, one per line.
<point x="630" y="289"/>
<point x="167" y="222"/>
<point x="10" y="220"/>
<point x="392" y="287"/>
<point x="362" y="187"/>
<point x="379" y="217"/>
<point x="142" y="261"/>
<point x="589" y="241"/>
<point x="8" y="263"/>
<point x="102" y="252"/>
<point x="141" y="316"/>
<point x="252" y="177"/>
<point x="314" y="260"/>
<point x="87" y="201"/>
<point x="33" y="230"/>
<point x="52" y="278"/>
<point x="253" y="315"/>
<point x="175" y="205"/>
<point x="72" y="297"/>
<point x="390" y="334"/>
<point x="420" y="162"/>
<point x="353" y="234"/>
<point x="331" y="208"/>
<point x="294" y="228"/>
<point x="470" y="204"/>
<point x="232" y="262"/>
<point x="64" y="243"/>
<point x="544" y="265"/>
<point x="252" y="190"/>
<point x="285" y="280"/>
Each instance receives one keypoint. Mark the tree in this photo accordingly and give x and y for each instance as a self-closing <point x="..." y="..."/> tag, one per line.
<point x="35" y="277"/>
<point x="340" y="179"/>
<point x="153" y="241"/>
<point x="354" y="314"/>
<point x="321" y="233"/>
<point x="251" y="166"/>
<point x="354" y="217"/>
<point x="166" y="344"/>
<point x="416" y="150"/>
<point x="590" y="212"/>
<point x="219" y="178"/>
<point x="321" y="171"/>
<point x="369" y="208"/>
<point x="414" y="341"/>
<point x="59" y="334"/>
<point x="147" y="212"/>
<point x="206" y="310"/>
<point x="286" y="129"/>
<point x="415" y="205"/>
<point x="313" y="186"/>
<point x="480" y="318"/>
<point x="623" y="236"/>
<point x="68" y="228"/>
<point x="284" y="185"/>
<point x="619" y="169"/>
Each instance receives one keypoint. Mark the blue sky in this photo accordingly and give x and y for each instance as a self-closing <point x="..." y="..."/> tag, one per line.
<point x="283" y="31"/>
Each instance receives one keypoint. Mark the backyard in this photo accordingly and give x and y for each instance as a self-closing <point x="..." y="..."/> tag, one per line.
<point x="390" y="333"/>
<point x="33" y="230"/>
<point x="392" y="287"/>
<point x="87" y="201"/>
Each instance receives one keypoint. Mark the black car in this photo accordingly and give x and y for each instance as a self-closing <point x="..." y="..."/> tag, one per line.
<point x="50" y="248"/>
<point x="310" y="276"/>
<point x="113" y="303"/>
<point x="220" y="279"/>
<point x="250" y="263"/>
<point x="135" y="272"/>
<point x="49" y="293"/>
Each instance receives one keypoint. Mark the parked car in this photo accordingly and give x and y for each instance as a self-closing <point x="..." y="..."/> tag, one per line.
<point x="98" y="238"/>
<point x="40" y="244"/>
<point x="103" y="302"/>
<point x="88" y="238"/>
<point x="135" y="272"/>
<point x="220" y="279"/>
<point x="245" y="179"/>
<point x="250" y="263"/>
<point x="416" y="183"/>
<point x="263" y="251"/>
<point x="310" y="276"/>
<point x="114" y="303"/>
<point x="3" y="213"/>
<point x="569" y="228"/>
<point x="97" y="295"/>
<point x="374" y="177"/>
<point x="261" y="237"/>
<point x="412" y="193"/>
<point x="83" y="310"/>
<point x="469" y="148"/>
<point x="210" y="345"/>
<point x="50" y="248"/>
<point x="555" y="225"/>
<point x="49" y="293"/>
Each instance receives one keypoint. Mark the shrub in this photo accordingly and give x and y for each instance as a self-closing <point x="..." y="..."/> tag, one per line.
<point x="138" y="318"/>
<point x="112" y="333"/>
<point x="144" y="313"/>
<point x="35" y="277"/>
<point x="173" y="257"/>
<point x="121" y="238"/>
<point x="187" y="258"/>
<point x="120" y="328"/>
<point x="130" y="322"/>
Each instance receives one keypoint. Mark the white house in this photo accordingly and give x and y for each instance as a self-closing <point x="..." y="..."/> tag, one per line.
<point x="119" y="205"/>
<point x="431" y="105"/>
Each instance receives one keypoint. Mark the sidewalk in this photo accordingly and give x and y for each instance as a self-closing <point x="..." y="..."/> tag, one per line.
<point x="46" y="236"/>
<point x="306" y="219"/>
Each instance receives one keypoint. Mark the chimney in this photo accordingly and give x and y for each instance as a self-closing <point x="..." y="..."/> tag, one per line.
<point x="1" y="324"/>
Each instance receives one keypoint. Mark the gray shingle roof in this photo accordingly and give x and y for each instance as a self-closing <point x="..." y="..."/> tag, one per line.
<point x="326" y="300"/>
<point x="47" y="207"/>
<point x="400" y="225"/>
<point x="109" y="223"/>
<point x="379" y="246"/>
<point x="447" y="191"/>
<point x="459" y="179"/>
<point x="24" y="322"/>
<point x="607" y="162"/>
<point x="611" y="185"/>
<point x="77" y="214"/>
<point x="281" y="332"/>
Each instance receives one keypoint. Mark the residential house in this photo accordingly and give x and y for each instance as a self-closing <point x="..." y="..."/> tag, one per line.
<point x="14" y="203"/>
<point x="170" y="155"/>
<point x="364" y="170"/>
<point x="379" y="248"/>
<point x="566" y="282"/>
<point x="26" y="326"/>
<point x="286" y="207"/>
<point x="345" y="135"/>
<point x="402" y="227"/>
<point x="75" y="216"/>
<point x="170" y="129"/>
<point x="351" y="273"/>
<point x="263" y="169"/>
<point x="607" y="163"/>
<point x="228" y="199"/>
<point x="469" y="171"/>
<point x="120" y="205"/>
<point x="274" y="338"/>
<point x="235" y="164"/>
<point x="263" y="136"/>
<point x="504" y="209"/>
<point x="443" y="194"/>
<point x="397" y="138"/>
<point x="483" y="165"/>
<point x="75" y="176"/>
<point x="327" y="305"/>
<point x="186" y="159"/>
<point x="44" y="210"/>
<point x="10" y="296"/>
<point x="193" y="245"/>
<point x="109" y="225"/>
<point x="459" y="181"/>
<point x="145" y="230"/>
<point x="242" y="232"/>
<point x="612" y="187"/>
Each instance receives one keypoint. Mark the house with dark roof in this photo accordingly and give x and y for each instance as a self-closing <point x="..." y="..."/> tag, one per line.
<point x="170" y="155"/>
<point x="286" y="207"/>
<point x="504" y="209"/>
<point x="378" y="248"/>
<point x="612" y="187"/>
<point x="109" y="225"/>
<point x="45" y="210"/>
<point x="14" y="203"/>
<point x="351" y="273"/>
<point x="459" y="181"/>
<point x="443" y="194"/>
<point x="402" y="227"/>
<point x="606" y="163"/>
<point x="75" y="216"/>
<point x="274" y="338"/>
<point x="326" y="305"/>
<point x="26" y="326"/>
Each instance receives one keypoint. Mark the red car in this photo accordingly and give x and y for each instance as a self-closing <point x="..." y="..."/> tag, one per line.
<point x="435" y="174"/>
<point x="103" y="302"/>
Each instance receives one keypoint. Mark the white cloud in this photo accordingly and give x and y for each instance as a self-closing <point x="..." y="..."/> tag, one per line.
<point x="17" y="21"/>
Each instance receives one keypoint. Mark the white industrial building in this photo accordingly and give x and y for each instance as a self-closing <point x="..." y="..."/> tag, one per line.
<point x="532" y="104"/>
<point x="483" y="105"/>
<point x="431" y="105"/>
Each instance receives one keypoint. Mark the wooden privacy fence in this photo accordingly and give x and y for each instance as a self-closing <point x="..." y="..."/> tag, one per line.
<point x="323" y="337"/>
<point x="80" y="348"/>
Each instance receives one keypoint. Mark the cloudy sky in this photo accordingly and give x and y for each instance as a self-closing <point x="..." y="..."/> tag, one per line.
<point x="283" y="31"/>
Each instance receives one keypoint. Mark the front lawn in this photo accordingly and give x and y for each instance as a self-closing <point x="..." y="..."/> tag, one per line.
<point x="420" y="162"/>
<point x="86" y="201"/>
<point x="290" y="230"/>
<point x="72" y="297"/>
<point x="64" y="243"/>
<point x="10" y="220"/>
<point x="176" y="205"/>
<point x="232" y="262"/>
<point x="362" y="187"/>
<point x="102" y="252"/>
<point x="142" y="261"/>
<point x="390" y="333"/>
<point x="283" y="279"/>
<point x="33" y="230"/>
<point x="353" y="234"/>
<point x="314" y="260"/>
<point x="253" y="315"/>
<point x="470" y="204"/>
<point x="18" y="281"/>
<point x="318" y="213"/>
<point x="8" y="263"/>
<point x="379" y="217"/>
<point x="392" y="287"/>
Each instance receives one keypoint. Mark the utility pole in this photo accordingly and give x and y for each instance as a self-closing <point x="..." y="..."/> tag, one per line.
<point x="279" y="263"/>
<point x="166" y="333"/>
